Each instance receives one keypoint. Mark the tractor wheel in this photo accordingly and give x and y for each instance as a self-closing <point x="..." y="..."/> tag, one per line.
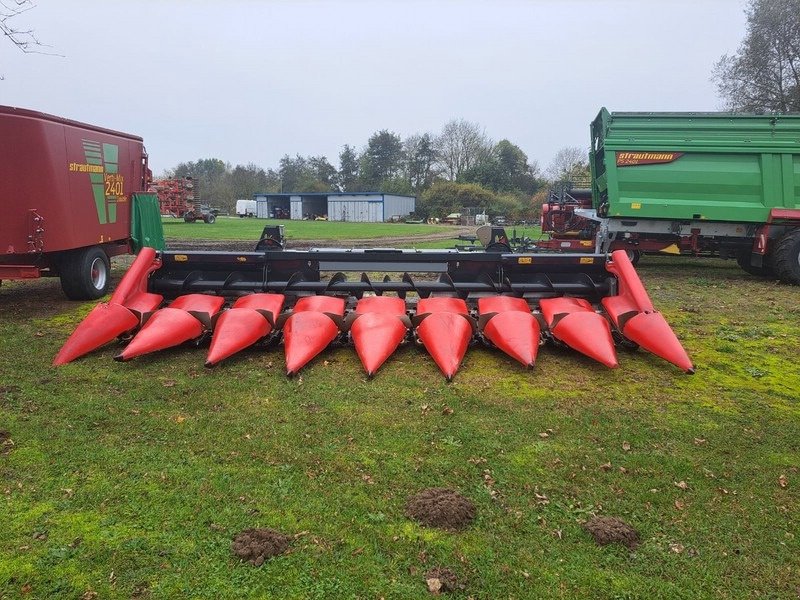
<point x="210" y="218"/>
<point x="743" y="259"/>
<point x="787" y="257"/>
<point x="85" y="273"/>
<point x="189" y="218"/>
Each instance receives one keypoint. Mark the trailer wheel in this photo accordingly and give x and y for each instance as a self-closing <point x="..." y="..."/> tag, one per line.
<point x="188" y="218"/>
<point x="787" y="257"/>
<point x="210" y="218"/>
<point x="85" y="273"/>
<point x="743" y="259"/>
<point x="633" y="255"/>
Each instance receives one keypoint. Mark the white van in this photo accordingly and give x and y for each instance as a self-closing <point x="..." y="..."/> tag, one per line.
<point x="246" y="208"/>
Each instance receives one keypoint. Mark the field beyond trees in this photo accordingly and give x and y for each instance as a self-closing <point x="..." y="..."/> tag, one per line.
<point x="130" y="480"/>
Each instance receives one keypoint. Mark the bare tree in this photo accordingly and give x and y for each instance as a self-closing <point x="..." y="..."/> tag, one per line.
<point x="569" y="164"/>
<point x="23" y="38"/>
<point x="460" y="146"/>
<point x="764" y="74"/>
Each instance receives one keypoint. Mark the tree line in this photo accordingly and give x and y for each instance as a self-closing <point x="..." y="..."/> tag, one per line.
<point x="459" y="168"/>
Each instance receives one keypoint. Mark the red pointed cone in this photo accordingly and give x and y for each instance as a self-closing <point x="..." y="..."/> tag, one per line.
<point x="376" y="336"/>
<point x="514" y="330"/>
<point x="236" y="329"/>
<point x="580" y="328"/>
<point x="516" y="333"/>
<point x="444" y="333"/>
<point x="104" y="323"/>
<point x="243" y="325"/>
<point x="306" y="334"/>
<point x="378" y="331"/>
<point x="653" y="334"/>
<point x="167" y="327"/>
<point x="633" y="313"/>
<point x="446" y="336"/>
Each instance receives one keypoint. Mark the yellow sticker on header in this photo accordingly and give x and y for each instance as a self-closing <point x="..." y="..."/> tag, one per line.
<point x="525" y="260"/>
<point x="636" y="205"/>
<point x="587" y="243"/>
<point x="587" y="260"/>
<point x="181" y="258"/>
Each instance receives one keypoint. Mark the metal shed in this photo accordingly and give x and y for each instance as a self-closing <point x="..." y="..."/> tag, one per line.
<point x="364" y="207"/>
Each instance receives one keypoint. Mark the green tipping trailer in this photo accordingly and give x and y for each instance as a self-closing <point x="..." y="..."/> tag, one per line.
<point x="722" y="184"/>
<point x="695" y="166"/>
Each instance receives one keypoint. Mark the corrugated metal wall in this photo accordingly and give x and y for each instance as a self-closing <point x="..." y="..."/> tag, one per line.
<point x="400" y="206"/>
<point x="361" y="208"/>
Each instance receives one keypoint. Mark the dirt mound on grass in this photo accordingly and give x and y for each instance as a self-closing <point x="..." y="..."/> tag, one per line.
<point x="442" y="580"/>
<point x="440" y="507"/>
<point x="607" y="530"/>
<point x="257" y="545"/>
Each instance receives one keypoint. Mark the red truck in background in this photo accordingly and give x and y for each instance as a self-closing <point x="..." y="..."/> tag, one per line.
<point x="65" y="199"/>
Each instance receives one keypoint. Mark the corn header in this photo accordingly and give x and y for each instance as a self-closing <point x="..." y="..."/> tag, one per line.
<point x="376" y="299"/>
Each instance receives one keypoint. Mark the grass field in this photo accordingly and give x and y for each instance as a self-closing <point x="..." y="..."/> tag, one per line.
<point x="130" y="480"/>
<point x="231" y="228"/>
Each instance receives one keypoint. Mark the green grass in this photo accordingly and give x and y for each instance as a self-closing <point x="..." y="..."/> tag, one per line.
<point x="231" y="228"/>
<point x="141" y="473"/>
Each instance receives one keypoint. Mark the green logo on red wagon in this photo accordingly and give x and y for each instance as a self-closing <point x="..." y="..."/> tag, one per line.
<point x="108" y="185"/>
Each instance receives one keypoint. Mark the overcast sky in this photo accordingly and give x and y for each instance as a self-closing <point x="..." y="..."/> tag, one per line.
<point x="250" y="81"/>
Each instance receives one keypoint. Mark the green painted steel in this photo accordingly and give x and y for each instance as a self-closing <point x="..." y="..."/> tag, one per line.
<point x="146" y="226"/>
<point x="705" y="166"/>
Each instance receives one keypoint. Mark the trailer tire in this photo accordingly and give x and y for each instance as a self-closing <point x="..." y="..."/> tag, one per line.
<point x="210" y="218"/>
<point x="633" y="255"/>
<point x="743" y="260"/>
<point x="787" y="257"/>
<point x="188" y="218"/>
<point x="85" y="273"/>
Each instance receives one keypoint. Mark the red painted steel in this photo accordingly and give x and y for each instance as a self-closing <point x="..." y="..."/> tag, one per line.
<point x="46" y="169"/>
<point x="102" y="325"/>
<point x="250" y="319"/>
<point x="378" y="329"/>
<point x="634" y="315"/>
<point x="309" y="330"/>
<point x="121" y="314"/>
<point x="181" y="322"/>
<point x="574" y="322"/>
<point x="445" y="331"/>
<point x="513" y="329"/>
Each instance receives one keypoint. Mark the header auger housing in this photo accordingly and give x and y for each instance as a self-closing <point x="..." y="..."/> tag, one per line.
<point x="443" y="299"/>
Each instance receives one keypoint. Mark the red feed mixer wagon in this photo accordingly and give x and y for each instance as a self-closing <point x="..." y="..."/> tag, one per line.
<point x="71" y="196"/>
<point x="444" y="300"/>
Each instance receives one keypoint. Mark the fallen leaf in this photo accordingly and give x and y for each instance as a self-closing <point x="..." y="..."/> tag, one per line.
<point x="447" y="410"/>
<point x="782" y="481"/>
<point x="626" y="446"/>
<point x="681" y="484"/>
<point x="679" y="504"/>
<point x="544" y="434"/>
<point x="180" y="419"/>
<point x="325" y="363"/>
<point x="699" y="441"/>
<point x="168" y="383"/>
<point x="623" y="470"/>
<point x="606" y="467"/>
<point x="676" y="547"/>
<point x="434" y="585"/>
